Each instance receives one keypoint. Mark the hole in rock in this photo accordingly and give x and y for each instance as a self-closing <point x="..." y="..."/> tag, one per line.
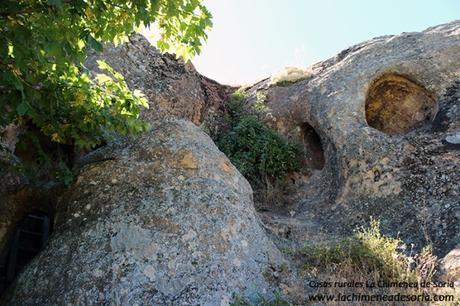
<point x="27" y="240"/>
<point x="313" y="147"/>
<point x="397" y="105"/>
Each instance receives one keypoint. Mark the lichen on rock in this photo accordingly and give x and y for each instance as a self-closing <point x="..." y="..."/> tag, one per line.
<point x="162" y="223"/>
<point x="167" y="219"/>
<point x="386" y="112"/>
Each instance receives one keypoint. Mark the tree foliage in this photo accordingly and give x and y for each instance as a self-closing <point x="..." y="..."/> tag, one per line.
<point x="43" y="44"/>
<point x="43" y="80"/>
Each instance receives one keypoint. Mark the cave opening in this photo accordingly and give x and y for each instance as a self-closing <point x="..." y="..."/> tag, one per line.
<point x="397" y="105"/>
<point x="313" y="147"/>
<point x="27" y="240"/>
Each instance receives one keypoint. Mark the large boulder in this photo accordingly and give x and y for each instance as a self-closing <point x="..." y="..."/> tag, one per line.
<point x="386" y="115"/>
<point x="165" y="219"/>
<point x="172" y="87"/>
<point x="450" y="266"/>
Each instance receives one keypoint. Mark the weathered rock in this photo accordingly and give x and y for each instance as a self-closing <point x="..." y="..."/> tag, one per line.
<point x="450" y="266"/>
<point x="397" y="105"/>
<point x="166" y="220"/>
<point x="453" y="140"/>
<point x="387" y="112"/>
<point x="172" y="87"/>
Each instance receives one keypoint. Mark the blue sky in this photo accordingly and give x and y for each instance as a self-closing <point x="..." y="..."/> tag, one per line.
<point x="252" y="39"/>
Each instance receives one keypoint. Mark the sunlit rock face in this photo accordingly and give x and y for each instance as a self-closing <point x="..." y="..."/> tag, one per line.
<point x="166" y="219"/>
<point x="172" y="87"/>
<point x="387" y="115"/>
<point x="162" y="220"/>
<point x="397" y="105"/>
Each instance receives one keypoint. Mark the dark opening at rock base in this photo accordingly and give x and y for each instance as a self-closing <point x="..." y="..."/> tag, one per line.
<point x="26" y="242"/>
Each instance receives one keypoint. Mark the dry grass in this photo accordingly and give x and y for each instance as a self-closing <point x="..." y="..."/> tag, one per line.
<point x="289" y="75"/>
<point x="369" y="258"/>
<point x="270" y="194"/>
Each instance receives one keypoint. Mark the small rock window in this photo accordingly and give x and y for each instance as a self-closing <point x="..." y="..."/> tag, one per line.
<point x="313" y="147"/>
<point x="397" y="105"/>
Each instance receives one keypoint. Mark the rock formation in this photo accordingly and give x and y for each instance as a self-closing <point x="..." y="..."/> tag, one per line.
<point x="174" y="89"/>
<point x="166" y="219"/>
<point x="384" y="111"/>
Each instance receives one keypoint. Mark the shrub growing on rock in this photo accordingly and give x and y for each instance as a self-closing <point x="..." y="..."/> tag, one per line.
<point x="288" y="76"/>
<point x="258" y="152"/>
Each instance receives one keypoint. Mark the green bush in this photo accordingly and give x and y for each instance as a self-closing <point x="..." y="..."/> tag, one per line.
<point x="235" y="107"/>
<point x="258" y="152"/>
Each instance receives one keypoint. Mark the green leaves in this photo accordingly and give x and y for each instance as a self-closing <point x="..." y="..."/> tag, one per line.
<point x="22" y="108"/>
<point x="10" y="78"/>
<point x="258" y="152"/>
<point x="55" y="2"/>
<point x="183" y="26"/>
<point x="93" y="43"/>
<point x="42" y="51"/>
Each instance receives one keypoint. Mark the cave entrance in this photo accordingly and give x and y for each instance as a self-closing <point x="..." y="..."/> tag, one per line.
<point x="313" y="147"/>
<point x="397" y="105"/>
<point x="27" y="240"/>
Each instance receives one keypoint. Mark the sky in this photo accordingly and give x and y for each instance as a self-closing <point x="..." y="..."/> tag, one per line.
<point x="253" y="39"/>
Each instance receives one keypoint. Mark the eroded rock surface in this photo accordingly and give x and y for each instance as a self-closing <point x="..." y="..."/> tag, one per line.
<point x="397" y="105"/>
<point x="386" y="112"/>
<point x="169" y="221"/>
<point x="166" y="219"/>
<point x="173" y="88"/>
